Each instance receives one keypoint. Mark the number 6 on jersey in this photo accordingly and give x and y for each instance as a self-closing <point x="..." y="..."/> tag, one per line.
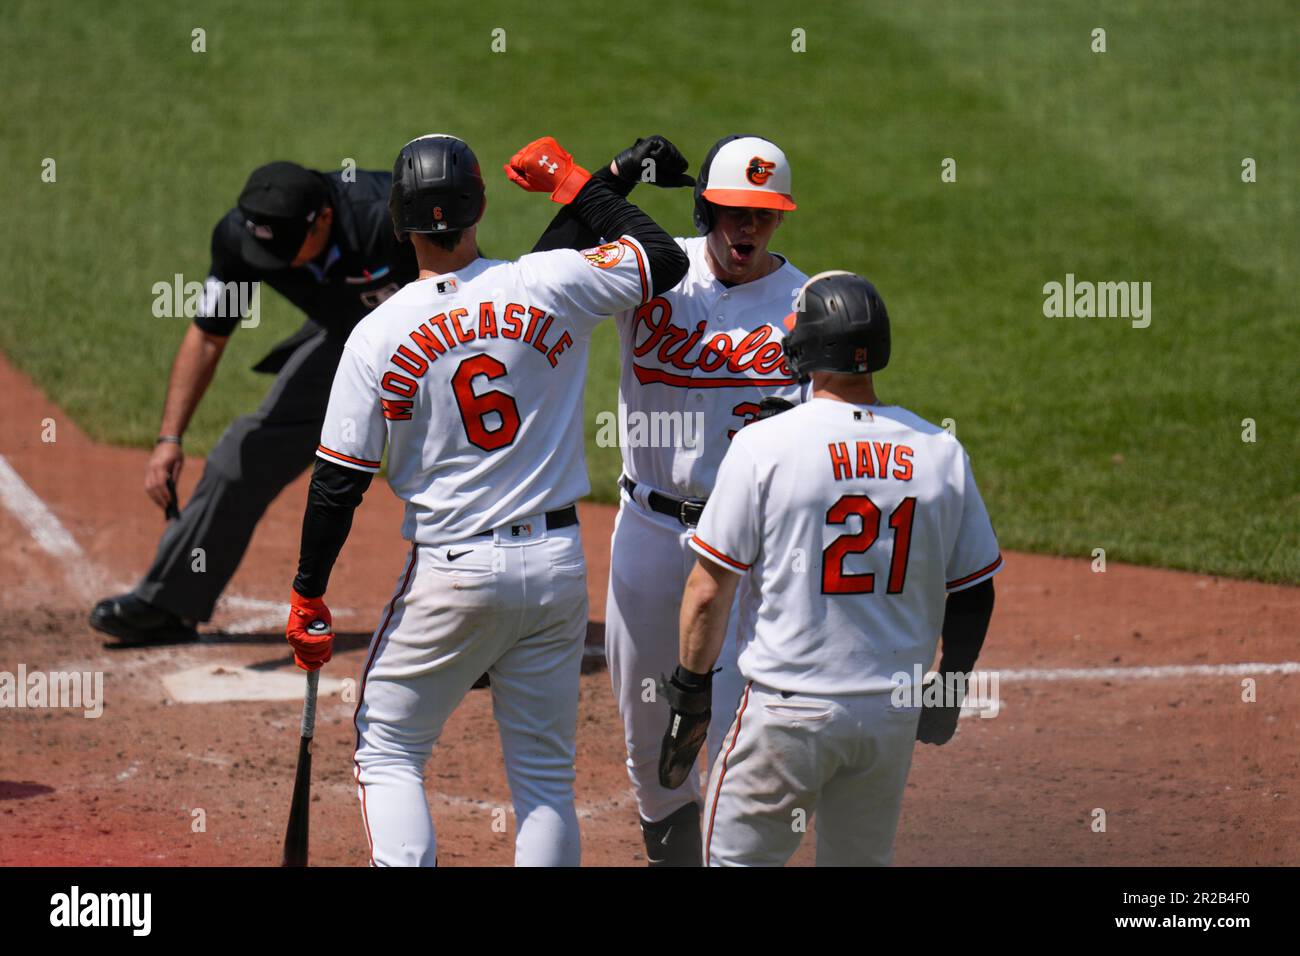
<point x="474" y="409"/>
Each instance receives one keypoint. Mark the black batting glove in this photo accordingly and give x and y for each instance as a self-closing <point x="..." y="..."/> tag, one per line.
<point x="656" y="161"/>
<point x="771" y="407"/>
<point x="938" y="721"/>
<point x="690" y="700"/>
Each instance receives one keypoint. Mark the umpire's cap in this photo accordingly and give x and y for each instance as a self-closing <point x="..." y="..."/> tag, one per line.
<point x="839" y="325"/>
<point x="437" y="186"/>
<point x="279" y="203"/>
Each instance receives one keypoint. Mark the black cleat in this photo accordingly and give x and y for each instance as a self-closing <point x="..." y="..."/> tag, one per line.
<point x="674" y="840"/>
<point x="137" y="623"/>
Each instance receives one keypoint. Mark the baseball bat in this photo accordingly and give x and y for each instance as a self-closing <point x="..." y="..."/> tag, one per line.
<point x="295" y="834"/>
<point x="171" y="511"/>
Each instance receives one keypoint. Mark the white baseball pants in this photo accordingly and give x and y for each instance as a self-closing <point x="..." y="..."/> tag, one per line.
<point x="513" y="606"/>
<point x="843" y="758"/>
<point x="650" y="559"/>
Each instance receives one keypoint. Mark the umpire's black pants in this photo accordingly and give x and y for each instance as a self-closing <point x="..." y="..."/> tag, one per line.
<point x="256" y="457"/>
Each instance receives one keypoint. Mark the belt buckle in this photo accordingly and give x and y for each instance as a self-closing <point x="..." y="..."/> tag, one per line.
<point x="689" y="513"/>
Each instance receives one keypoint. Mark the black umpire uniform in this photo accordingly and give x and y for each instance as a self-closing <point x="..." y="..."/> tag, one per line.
<point x="259" y="454"/>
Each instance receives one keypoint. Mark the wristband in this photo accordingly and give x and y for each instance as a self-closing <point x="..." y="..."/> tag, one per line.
<point x="571" y="185"/>
<point x="692" y="681"/>
<point x="170" y="439"/>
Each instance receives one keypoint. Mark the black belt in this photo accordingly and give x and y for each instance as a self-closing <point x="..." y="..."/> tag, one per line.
<point x="555" y="520"/>
<point x="686" y="511"/>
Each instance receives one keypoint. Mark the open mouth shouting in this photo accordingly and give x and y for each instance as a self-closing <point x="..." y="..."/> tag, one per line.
<point x="742" y="253"/>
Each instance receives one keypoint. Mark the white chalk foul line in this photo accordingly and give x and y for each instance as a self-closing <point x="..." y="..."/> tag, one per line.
<point x="24" y="505"/>
<point x="48" y="532"/>
<point x="1164" y="672"/>
<point x="53" y="538"/>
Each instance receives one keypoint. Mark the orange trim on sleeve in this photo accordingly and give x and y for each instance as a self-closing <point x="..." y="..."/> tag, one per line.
<point x="364" y="463"/>
<point x="640" y="264"/>
<point x="715" y="553"/>
<point x="978" y="574"/>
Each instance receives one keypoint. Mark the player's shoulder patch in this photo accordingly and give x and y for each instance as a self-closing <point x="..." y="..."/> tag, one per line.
<point x="605" y="256"/>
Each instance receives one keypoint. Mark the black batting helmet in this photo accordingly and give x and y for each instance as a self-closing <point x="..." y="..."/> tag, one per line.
<point x="742" y="170"/>
<point x="437" y="186"/>
<point x="839" y="325"/>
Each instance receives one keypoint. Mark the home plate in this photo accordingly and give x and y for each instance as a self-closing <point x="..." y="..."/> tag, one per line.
<point x="977" y="706"/>
<point x="213" y="683"/>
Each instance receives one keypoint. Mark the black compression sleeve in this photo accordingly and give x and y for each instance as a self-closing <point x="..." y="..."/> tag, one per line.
<point x="567" y="231"/>
<point x="335" y="493"/>
<point x="608" y="214"/>
<point x="965" y="622"/>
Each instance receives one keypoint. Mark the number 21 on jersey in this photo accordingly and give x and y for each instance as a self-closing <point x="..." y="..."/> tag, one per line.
<point x="835" y="580"/>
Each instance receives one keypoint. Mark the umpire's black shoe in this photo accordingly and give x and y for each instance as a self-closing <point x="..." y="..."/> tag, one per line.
<point x="137" y="623"/>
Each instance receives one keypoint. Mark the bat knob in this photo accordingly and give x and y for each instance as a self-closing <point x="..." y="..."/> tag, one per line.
<point x="318" y="627"/>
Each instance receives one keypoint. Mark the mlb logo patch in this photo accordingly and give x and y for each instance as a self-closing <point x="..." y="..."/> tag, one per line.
<point x="257" y="229"/>
<point x="444" y="286"/>
<point x="521" y="530"/>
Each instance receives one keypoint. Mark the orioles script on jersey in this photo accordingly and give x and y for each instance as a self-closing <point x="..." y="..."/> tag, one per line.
<point x="457" y="327"/>
<point x="871" y="458"/>
<point x="755" y="354"/>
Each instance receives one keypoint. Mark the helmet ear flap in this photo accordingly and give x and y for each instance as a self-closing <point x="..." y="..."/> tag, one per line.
<point x="703" y="208"/>
<point x="792" y="358"/>
<point x="704" y="217"/>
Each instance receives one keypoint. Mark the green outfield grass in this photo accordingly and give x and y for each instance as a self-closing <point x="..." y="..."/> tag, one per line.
<point x="1120" y="166"/>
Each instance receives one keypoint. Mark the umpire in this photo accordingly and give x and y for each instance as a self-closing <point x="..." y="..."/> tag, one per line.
<point x="326" y="245"/>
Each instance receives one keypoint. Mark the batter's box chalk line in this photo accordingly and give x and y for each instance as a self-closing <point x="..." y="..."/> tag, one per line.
<point x="89" y="581"/>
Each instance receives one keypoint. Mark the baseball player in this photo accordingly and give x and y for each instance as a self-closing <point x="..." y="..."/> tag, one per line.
<point x="710" y="350"/>
<point x="852" y="520"/>
<point x="472" y="377"/>
<point x="326" y="245"/>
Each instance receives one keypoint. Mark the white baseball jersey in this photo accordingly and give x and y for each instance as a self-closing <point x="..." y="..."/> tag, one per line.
<point x="707" y="351"/>
<point x="853" y="521"/>
<point x="454" y="370"/>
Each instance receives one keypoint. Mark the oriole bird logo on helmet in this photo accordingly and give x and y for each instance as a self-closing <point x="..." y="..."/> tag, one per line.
<point x="759" y="170"/>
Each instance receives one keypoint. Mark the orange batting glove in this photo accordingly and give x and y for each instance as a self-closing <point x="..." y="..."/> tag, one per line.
<point x="310" y="649"/>
<point x="544" y="166"/>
